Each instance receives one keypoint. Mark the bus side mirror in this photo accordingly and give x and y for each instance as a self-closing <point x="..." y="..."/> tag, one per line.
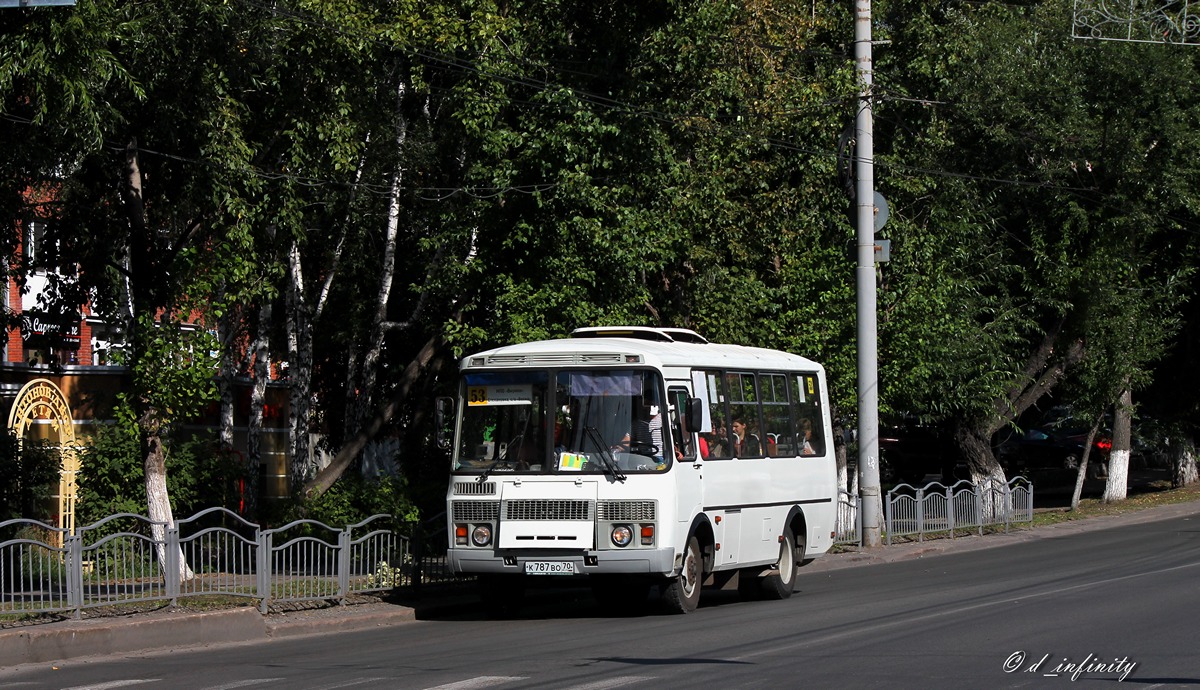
<point x="443" y="419"/>
<point x="695" y="414"/>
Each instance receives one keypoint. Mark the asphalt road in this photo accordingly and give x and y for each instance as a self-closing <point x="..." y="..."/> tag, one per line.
<point x="1088" y="608"/>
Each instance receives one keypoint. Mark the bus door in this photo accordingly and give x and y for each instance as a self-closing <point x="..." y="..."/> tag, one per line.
<point x="689" y="489"/>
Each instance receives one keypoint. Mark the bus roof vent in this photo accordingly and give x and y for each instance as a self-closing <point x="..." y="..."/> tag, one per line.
<point x="662" y="335"/>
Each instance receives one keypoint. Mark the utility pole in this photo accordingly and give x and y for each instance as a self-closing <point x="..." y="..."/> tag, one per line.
<point x="868" y="366"/>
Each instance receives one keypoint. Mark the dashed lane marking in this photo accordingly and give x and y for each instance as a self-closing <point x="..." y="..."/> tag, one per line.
<point x="618" y="682"/>
<point x="115" y="684"/>
<point x="478" y="682"/>
<point x="242" y="683"/>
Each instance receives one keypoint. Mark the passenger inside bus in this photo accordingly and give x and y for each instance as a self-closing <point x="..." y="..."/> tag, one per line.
<point x="748" y="444"/>
<point x="718" y="440"/>
<point x="806" y="433"/>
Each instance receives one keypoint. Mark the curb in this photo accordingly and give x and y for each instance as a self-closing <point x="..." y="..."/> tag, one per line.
<point x="105" y="636"/>
<point x="295" y="625"/>
<point x="87" y="638"/>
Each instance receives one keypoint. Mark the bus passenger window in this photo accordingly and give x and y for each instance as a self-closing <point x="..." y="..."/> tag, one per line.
<point x="745" y="429"/>
<point x="806" y="404"/>
<point x="779" y="436"/>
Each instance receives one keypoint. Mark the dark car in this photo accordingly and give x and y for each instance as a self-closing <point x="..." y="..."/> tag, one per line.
<point x="1054" y="445"/>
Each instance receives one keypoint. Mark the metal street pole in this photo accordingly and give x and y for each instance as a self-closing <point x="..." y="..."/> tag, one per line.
<point x="868" y="369"/>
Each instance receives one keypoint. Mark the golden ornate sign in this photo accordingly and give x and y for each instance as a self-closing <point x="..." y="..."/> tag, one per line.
<point x="42" y="404"/>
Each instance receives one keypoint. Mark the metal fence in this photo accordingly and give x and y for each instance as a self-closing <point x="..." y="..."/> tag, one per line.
<point x="215" y="552"/>
<point x="218" y="553"/>
<point x="962" y="507"/>
<point x="849" y="526"/>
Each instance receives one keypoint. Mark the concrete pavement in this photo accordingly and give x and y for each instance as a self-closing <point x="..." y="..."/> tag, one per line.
<point x="171" y="628"/>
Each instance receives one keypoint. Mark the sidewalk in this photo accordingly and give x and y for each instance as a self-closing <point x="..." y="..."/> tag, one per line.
<point x="168" y="628"/>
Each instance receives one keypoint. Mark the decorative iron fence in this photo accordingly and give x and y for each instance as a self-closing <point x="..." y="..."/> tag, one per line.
<point x="215" y="552"/>
<point x="849" y="525"/>
<point x="959" y="508"/>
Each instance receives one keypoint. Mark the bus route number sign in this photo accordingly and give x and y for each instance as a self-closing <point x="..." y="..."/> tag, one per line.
<point x="518" y="394"/>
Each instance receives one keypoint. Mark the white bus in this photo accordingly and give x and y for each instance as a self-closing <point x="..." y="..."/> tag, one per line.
<point x="639" y="457"/>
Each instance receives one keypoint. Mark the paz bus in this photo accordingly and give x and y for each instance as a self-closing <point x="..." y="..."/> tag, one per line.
<point x="638" y="458"/>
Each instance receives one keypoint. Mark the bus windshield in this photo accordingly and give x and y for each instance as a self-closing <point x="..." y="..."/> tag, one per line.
<point x="564" y="421"/>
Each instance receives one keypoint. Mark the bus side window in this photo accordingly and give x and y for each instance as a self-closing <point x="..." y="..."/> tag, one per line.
<point x="806" y="404"/>
<point x="745" y="424"/>
<point x="780" y="436"/>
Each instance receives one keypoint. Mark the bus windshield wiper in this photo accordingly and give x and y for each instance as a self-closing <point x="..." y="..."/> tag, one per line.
<point x="488" y="470"/>
<point x="610" y="463"/>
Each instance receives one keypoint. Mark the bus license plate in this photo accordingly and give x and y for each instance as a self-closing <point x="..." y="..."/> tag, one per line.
<point x="549" y="568"/>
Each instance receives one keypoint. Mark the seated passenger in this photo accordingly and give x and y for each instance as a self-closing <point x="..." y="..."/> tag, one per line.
<point x="806" y="431"/>
<point x="748" y="445"/>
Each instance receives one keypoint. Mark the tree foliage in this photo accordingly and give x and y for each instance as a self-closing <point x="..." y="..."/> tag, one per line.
<point x="502" y="171"/>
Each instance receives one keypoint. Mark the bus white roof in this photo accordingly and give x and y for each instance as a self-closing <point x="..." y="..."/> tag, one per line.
<point x="657" y="346"/>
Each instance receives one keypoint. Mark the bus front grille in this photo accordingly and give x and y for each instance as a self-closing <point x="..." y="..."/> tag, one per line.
<point x="476" y="511"/>
<point x="548" y="509"/>
<point x="633" y="511"/>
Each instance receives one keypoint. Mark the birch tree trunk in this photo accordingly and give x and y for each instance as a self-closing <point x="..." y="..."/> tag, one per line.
<point x="300" y="363"/>
<point x="225" y="378"/>
<point x="370" y="364"/>
<point x="1081" y="471"/>
<point x="258" y="396"/>
<point x="1183" y="464"/>
<point x="158" y="502"/>
<point x="141" y="285"/>
<point x="1116" y="488"/>
<point x="841" y="457"/>
<point x="986" y="473"/>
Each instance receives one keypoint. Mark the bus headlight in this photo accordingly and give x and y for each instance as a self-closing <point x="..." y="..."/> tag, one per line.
<point x="622" y="535"/>
<point x="481" y="535"/>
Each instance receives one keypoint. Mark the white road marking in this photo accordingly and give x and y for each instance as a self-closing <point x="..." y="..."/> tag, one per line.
<point x="356" y="681"/>
<point x="619" y="681"/>
<point x="243" y="683"/>
<point x="478" y="682"/>
<point x="115" y="684"/>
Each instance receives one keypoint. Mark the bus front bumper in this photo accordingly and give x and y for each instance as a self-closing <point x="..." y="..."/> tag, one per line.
<point x="634" y="561"/>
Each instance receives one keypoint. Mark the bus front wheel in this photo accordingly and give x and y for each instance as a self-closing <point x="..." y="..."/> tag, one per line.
<point x="682" y="592"/>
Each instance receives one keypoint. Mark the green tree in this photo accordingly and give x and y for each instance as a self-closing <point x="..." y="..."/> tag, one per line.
<point x="1050" y="168"/>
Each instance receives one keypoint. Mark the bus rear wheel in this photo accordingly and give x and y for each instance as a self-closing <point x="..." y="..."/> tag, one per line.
<point x="682" y="592"/>
<point x="779" y="585"/>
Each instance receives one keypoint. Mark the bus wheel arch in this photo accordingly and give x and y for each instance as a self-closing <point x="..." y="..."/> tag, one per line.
<point x="702" y="530"/>
<point x="681" y="593"/>
<point x="798" y="526"/>
<point x="781" y="583"/>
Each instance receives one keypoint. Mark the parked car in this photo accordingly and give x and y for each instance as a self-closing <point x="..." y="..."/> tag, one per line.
<point x="1056" y="443"/>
